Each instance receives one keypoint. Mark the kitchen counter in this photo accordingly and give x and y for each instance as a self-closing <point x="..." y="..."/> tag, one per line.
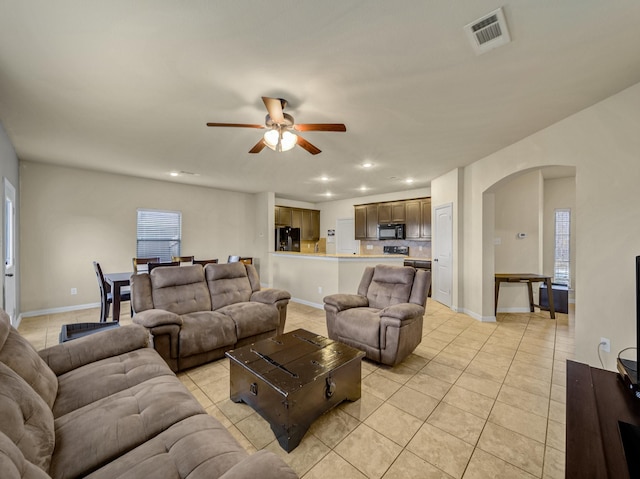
<point x="309" y="277"/>
<point x="339" y="256"/>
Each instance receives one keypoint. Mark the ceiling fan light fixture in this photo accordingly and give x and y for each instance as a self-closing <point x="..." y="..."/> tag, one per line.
<point x="279" y="140"/>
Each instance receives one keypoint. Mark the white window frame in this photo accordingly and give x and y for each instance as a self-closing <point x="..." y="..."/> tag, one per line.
<point x="158" y="233"/>
<point x="562" y="246"/>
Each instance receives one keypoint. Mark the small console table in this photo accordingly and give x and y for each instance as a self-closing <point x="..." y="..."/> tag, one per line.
<point x="528" y="278"/>
<point x="599" y="409"/>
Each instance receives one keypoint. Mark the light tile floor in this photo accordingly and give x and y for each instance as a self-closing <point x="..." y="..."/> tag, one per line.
<point x="475" y="400"/>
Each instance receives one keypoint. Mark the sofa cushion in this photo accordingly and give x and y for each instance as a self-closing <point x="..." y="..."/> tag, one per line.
<point x="13" y="465"/>
<point x="361" y="325"/>
<point x="205" y="331"/>
<point x="197" y="447"/>
<point x="87" y="384"/>
<point x="96" y="434"/>
<point x="390" y="285"/>
<point x="25" y="418"/>
<point x="228" y="284"/>
<point x="252" y="318"/>
<point x="18" y="354"/>
<point x="180" y="289"/>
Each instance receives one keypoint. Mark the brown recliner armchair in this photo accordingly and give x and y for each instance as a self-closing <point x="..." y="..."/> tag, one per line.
<point x="385" y="318"/>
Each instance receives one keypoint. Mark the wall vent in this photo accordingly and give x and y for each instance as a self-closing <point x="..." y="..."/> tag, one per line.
<point x="488" y="32"/>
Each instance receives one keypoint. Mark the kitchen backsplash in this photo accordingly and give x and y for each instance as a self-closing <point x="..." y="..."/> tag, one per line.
<point x="417" y="249"/>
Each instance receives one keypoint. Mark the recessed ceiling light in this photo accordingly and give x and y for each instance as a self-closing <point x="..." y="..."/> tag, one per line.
<point x="328" y="194"/>
<point x="174" y="173"/>
<point x="409" y="180"/>
<point x="324" y="178"/>
<point x="363" y="188"/>
<point x="367" y="164"/>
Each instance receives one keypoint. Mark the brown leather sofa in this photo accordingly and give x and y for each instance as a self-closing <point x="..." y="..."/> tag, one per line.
<point x="385" y="318"/>
<point x="196" y="314"/>
<point x="107" y="406"/>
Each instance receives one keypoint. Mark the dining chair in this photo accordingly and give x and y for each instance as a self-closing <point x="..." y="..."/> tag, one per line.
<point x="151" y="266"/>
<point x="182" y="259"/>
<point x="205" y="262"/>
<point x="143" y="262"/>
<point x="233" y="259"/>
<point x="106" y="297"/>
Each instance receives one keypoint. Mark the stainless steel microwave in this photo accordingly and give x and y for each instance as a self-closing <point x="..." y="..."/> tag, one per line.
<point x="390" y="231"/>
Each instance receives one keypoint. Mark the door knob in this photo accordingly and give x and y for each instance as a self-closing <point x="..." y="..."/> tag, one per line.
<point x="9" y="275"/>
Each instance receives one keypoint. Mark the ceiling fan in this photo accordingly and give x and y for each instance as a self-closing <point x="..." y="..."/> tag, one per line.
<point x="280" y="126"/>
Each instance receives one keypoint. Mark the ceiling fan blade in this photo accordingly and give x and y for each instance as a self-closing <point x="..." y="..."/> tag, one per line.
<point x="258" y="146"/>
<point x="236" y="125"/>
<point x="314" y="150"/>
<point x="320" y="127"/>
<point x="274" y="107"/>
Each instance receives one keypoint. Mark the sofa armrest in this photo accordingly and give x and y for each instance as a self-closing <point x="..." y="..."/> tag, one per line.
<point x="402" y="311"/>
<point x="152" y="318"/>
<point x="270" y="295"/>
<point x="262" y="464"/>
<point x="70" y="355"/>
<point x="341" y="302"/>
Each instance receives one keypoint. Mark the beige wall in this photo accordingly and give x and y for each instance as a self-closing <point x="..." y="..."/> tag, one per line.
<point x="71" y="217"/>
<point x="603" y="144"/>
<point x="517" y="211"/>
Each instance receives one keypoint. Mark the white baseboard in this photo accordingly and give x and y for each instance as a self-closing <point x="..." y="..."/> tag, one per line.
<point x="308" y="303"/>
<point x="63" y="309"/>
<point x="484" y="319"/>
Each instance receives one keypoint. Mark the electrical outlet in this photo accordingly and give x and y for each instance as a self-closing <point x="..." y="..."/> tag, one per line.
<point x="319" y="289"/>
<point x="605" y="344"/>
<point x="74" y="290"/>
<point x="369" y="246"/>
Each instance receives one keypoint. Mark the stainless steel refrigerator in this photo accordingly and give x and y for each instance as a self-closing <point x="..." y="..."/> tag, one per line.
<point x="287" y="239"/>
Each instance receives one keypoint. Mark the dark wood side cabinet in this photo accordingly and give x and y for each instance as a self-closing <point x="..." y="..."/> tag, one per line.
<point x="596" y="401"/>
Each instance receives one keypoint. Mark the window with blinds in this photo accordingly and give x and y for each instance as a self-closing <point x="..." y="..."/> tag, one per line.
<point x="561" y="270"/>
<point x="159" y="234"/>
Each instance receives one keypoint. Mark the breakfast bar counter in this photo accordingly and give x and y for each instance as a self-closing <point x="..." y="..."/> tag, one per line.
<point x="309" y="277"/>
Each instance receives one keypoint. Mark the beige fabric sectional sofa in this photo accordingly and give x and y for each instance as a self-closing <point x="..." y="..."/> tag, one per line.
<point x="196" y="314"/>
<point x="106" y="406"/>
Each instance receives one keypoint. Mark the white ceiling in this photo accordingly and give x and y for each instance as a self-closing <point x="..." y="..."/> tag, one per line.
<point x="127" y="87"/>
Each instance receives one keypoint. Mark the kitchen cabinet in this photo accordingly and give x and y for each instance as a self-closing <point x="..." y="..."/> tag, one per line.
<point x="425" y="219"/>
<point x="398" y="212"/>
<point x="361" y="222"/>
<point x="415" y="214"/>
<point x="412" y="221"/>
<point x="391" y="212"/>
<point x="307" y="220"/>
<point x="310" y="230"/>
<point x="296" y="218"/>
<point x="283" y="216"/>
<point x="384" y="213"/>
<point x="366" y="222"/>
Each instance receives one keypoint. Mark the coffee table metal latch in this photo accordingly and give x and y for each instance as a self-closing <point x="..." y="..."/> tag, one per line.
<point x="331" y="387"/>
<point x="253" y="389"/>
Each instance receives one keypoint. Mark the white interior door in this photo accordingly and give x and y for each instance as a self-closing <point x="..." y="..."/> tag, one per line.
<point x="442" y="264"/>
<point x="9" y="251"/>
<point x="346" y="242"/>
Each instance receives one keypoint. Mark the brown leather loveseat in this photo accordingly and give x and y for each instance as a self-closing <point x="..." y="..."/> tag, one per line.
<point x="196" y="314"/>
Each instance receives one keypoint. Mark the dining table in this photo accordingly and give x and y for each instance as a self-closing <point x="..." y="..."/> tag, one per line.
<point x="117" y="281"/>
<point x="527" y="278"/>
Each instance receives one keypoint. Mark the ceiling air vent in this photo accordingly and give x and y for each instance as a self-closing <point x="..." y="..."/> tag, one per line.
<point x="488" y="32"/>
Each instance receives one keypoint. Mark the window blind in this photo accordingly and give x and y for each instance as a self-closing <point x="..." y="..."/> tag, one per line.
<point x="561" y="267"/>
<point x="159" y="233"/>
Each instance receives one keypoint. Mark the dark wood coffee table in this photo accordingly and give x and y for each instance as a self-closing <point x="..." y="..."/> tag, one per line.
<point x="292" y="379"/>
